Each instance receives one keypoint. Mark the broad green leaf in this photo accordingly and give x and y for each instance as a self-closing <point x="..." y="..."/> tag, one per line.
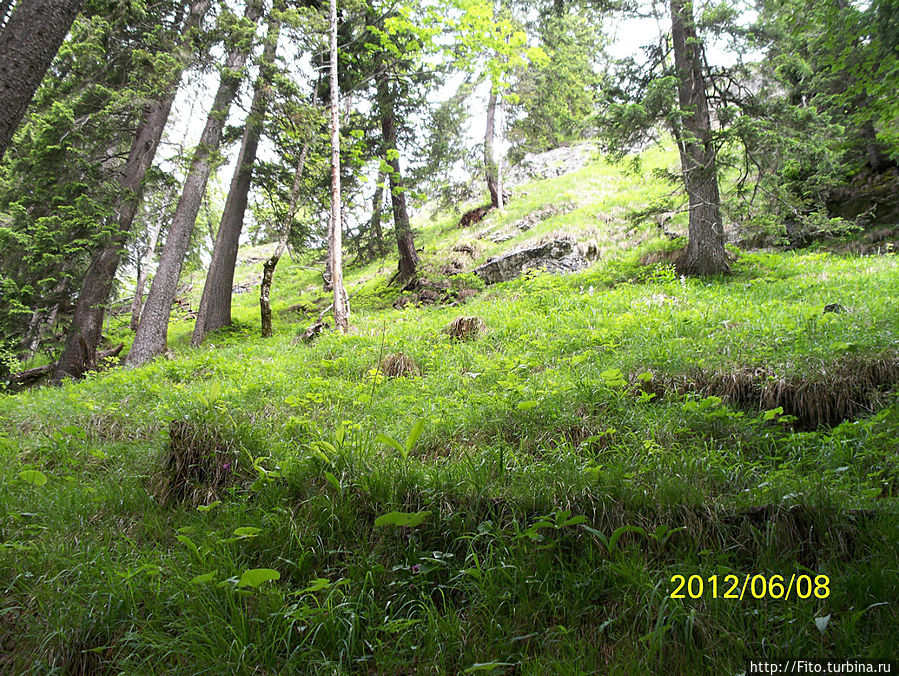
<point x="247" y="531"/>
<point x="574" y="521"/>
<point x="409" y="519"/>
<point x="613" y="540"/>
<point x="332" y="480"/>
<point x="771" y="414"/>
<point x="209" y="507"/>
<point x="413" y="436"/>
<point x="33" y="477"/>
<point x="205" y="577"/>
<point x="74" y="431"/>
<point x="527" y="405"/>
<point x="390" y="441"/>
<point x="485" y="666"/>
<point x="317" y="584"/>
<point x="256" y="576"/>
<point x="190" y="544"/>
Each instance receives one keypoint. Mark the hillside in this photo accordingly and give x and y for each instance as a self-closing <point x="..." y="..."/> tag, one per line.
<point x="517" y="500"/>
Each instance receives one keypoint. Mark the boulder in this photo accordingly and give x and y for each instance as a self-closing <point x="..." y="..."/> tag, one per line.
<point x="556" y="256"/>
<point x="550" y="164"/>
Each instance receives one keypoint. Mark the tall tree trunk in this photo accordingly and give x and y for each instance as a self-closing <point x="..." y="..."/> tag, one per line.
<point x="84" y="334"/>
<point x="28" y="43"/>
<point x="705" y="254"/>
<point x="377" y="205"/>
<point x="405" y="242"/>
<point x="268" y="268"/>
<point x="215" y="304"/>
<point x="489" y="162"/>
<point x="152" y="333"/>
<point x="336" y="238"/>
<point x="499" y="164"/>
<point x="143" y="269"/>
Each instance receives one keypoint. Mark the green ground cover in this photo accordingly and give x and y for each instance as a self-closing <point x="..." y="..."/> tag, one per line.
<point x="519" y="507"/>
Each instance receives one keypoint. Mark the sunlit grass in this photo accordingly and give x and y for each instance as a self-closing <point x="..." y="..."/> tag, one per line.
<point x="539" y="441"/>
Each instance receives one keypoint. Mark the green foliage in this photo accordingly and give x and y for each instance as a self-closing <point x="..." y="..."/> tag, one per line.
<point x="58" y="182"/>
<point x="523" y="503"/>
<point x="557" y="97"/>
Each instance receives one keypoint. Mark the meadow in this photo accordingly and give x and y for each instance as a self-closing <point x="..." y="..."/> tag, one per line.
<point x="518" y="504"/>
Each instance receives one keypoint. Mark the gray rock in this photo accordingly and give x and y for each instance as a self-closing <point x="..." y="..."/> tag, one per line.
<point x="549" y="164"/>
<point x="556" y="256"/>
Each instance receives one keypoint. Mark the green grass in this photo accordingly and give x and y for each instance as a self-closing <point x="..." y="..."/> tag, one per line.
<point x="537" y="447"/>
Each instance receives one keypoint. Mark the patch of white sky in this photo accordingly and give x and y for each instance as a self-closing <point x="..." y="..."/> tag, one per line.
<point x="626" y="38"/>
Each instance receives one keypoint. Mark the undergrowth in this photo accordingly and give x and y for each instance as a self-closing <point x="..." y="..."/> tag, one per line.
<point x="517" y="503"/>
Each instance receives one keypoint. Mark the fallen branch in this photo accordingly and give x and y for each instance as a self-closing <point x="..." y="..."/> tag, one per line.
<point x="28" y="376"/>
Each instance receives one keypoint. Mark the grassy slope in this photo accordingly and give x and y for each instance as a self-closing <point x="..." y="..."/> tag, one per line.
<point x="529" y="426"/>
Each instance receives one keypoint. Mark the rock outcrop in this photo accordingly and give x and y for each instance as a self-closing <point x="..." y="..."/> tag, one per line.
<point x="549" y="164"/>
<point x="556" y="256"/>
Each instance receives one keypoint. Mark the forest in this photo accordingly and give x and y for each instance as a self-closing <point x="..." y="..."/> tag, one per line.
<point x="448" y="336"/>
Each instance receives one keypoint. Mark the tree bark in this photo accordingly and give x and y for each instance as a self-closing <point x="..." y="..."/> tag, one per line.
<point x="705" y="254"/>
<point x="5" y="6"/>
<point x="151" y="337"/>
<point x="87" y="322"/>
<point x="143" y="268"/>
<point x="268" y="268"/>
<point x="377" y="232"/>
<point x="215" y="304"/>
<point x="336" y="239"/>
<point x="28" y="43"/>
<point x="405" y="241"/>
<point x="499" y="164"/>
<point x="489" y="162"/>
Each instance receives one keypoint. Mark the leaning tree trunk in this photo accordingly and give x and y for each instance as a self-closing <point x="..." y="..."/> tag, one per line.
<point x="489" y="161"/>
<point x="152" y="333"/>
<point x="215" y="304"/>
<point x="405" y="242"/>
<point x="28" y="43"/>
<point x="705" y="254"/>
<point x="336" y="257"/>
<point x="268" y="268"/>
<point x="83" y="338"/>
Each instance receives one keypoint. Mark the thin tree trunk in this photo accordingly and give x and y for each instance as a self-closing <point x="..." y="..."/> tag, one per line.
<point x="376" y="207"/>
<point x="87" y="323"/>
<point x="489" y="162"/>
<point x="215" y="304"/>
<point x="152" y="333"/>
<point x="499" y="163"/>
<point x="336" y="258"/>
<point x="705" y="254"/>
<point x="268" y="268"/>
<point x="42" y="321"/>
<point x="408" y="257"/>
<point x="28" y="43"/>
<point x="143" y="268"/>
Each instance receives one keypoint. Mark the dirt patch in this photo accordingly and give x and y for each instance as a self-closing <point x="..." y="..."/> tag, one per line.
<point x="466" y="328"/>
<point x="399" y="365"/>
<point x="436" y="291"/>
<point x="663" y="256"/>
<point x="199" y="464"/>
<point x="310" y="334"/>
<point x="474" y="216"/>
<point x="828" y="397"/>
